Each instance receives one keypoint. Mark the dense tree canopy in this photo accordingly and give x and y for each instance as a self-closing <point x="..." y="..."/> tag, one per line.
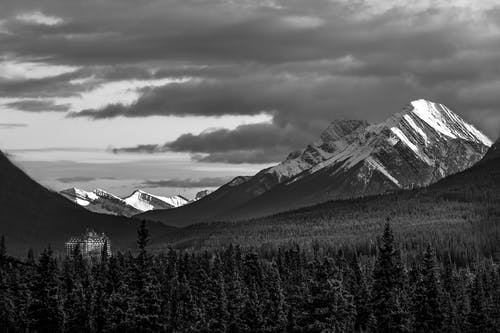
<point x="294" y="289"/>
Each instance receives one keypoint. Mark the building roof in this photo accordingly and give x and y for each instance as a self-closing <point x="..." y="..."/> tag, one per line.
<point x="89" y="236"/>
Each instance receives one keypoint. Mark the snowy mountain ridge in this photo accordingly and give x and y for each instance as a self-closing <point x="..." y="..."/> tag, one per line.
<point x="144" y="201"/>
<point x="420" y="128"/>
<point x="139" y="201"/>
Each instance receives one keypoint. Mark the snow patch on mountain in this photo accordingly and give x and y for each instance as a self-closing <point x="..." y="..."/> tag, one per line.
<point x="416" y="128"/>
<point x="376" y="164"/>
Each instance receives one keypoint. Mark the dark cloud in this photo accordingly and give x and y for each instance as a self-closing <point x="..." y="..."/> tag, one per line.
<point x="12" y="125"/>
<point x="188" y="182"/>
<point x="33" y="105"/>
<point x="75" y="82"/>
<point x="137" y="149"/>
<point x="244" y="137"/>
<point x="253" y="143"/>
<point x="304" y="63"/>
<point x="53" y="86"/>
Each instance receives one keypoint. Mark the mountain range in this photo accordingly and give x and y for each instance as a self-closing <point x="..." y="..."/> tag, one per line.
<point x="458" y="212"/>
<point x="418" y="146"/>
<point x="100" y="201"/>
<point x="336" y="182"/>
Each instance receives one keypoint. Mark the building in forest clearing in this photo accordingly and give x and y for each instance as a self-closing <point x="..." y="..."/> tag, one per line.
<point x="91" y="244"/>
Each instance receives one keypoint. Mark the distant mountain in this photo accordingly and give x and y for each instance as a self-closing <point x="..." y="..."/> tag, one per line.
<point x="144" y="201"/>
<point x="33" y="216"/>
<point x="100" y="201"/>
<point x="416" y="147"/>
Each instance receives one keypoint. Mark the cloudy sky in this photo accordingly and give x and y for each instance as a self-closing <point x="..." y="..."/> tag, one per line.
<point x="180" y="95"/>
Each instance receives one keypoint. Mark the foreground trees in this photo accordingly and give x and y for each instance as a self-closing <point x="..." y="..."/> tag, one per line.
<point x="235" y="290"/>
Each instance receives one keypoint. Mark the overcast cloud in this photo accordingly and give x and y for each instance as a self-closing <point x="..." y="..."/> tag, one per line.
<point x="304" y="63"/>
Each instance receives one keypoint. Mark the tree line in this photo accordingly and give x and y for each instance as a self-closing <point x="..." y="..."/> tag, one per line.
<point x="244" y="290"/>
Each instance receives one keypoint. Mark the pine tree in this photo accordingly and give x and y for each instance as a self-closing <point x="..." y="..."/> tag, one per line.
<point x="7" y="306"/>
<point x="427" y="308"/>
<point x="252" y="315"/>
<point x="387" y="291"/>
<point x="186" y="317"/>
<point x="361" y="294"/>
<point x="217" y="313"/>
<point x="236" y="302"/>
<point x="145" y="306"/>
<point x="45" y="310"/>
<point x="449" y="299"/>
<point x="76" y="288"/>
<point x="276" y="308"/>
<point x="477" y="319"/>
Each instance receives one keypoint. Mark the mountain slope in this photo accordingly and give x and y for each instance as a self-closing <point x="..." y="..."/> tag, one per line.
<point x="33" y="216"/>
<point x="417" y="147"/>
<point x="493" y="153"/>
<point x="99" y="201"/>
<point x="460" y="209"/>
<point x="144" y="201"/>
<point x="242" y="189"/>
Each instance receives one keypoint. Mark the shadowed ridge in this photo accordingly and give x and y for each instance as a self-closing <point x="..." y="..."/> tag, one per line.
<point x="33" y="216"/>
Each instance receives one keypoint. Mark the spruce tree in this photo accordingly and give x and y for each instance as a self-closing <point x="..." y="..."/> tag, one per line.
<point x="7" y="307"/>
<point x="217" y="313"/>
<point x="361" y="294"/>
<point x="387" y="292"/>
<point x="145" y="305"/>
<point x="427" y="307"/>
<point x="477" y="318"/>
<point x="45" y="310"/>
<point x="236" y="302"/>
<point x="276" y="308"/>
<point x="252" y="315"/>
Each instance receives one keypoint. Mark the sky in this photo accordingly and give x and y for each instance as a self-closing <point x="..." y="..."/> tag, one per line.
<point x="175" y="96"/>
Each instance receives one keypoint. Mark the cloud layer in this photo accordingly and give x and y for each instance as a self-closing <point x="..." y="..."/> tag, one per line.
<point x="187" y="183"/>
<point x="303" y="63"/>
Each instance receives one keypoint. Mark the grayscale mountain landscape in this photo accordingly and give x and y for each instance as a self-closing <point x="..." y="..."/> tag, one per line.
<point x="267" y="166"/>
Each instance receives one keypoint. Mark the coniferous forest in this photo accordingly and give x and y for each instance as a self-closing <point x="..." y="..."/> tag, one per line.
<point x="292" y="289"/>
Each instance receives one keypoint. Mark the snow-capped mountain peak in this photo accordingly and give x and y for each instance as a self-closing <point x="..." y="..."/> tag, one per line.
<point x="144" y="201"/>
<point x="415" y="147"/>
<point x="81" y="197"/>
<point x="139" y="201"/>
<point x="446" y="122"/>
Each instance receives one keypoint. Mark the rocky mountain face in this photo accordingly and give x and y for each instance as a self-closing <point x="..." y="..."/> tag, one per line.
<point x="201" y="194"/>
<point x="100" y="201"/>
<point x="416" y="147"/>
